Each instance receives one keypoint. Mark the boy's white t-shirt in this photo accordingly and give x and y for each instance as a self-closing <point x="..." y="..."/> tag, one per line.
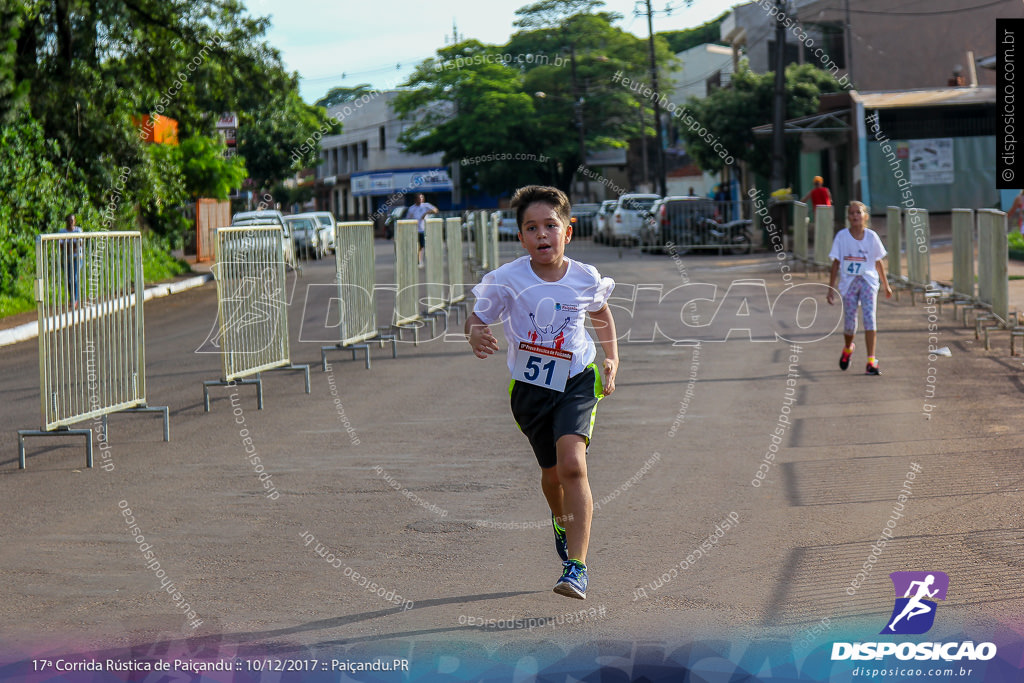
<point x="550" y="314"/>
<point x="857" y="257"/>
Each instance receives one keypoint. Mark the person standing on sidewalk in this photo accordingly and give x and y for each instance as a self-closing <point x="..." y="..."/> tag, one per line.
<point x="819" y="195"/>
<point x="858" y="261"/>
<point x="72" y="257"/>
<point x="419" y="212"/>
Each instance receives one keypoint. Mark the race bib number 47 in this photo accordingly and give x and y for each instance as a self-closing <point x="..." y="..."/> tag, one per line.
<point x="548" y="368"/>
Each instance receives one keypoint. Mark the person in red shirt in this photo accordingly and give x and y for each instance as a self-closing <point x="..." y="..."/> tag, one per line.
<point x="819" y="195"/>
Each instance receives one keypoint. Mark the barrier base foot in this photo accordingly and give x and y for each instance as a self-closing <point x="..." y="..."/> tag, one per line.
<point x="342" y="347"/>
<point x="381" y="339"/>
<point x="143" y="409"/>
<point x="457" y="306"/>
<point x="434" y="315"/>
<point x="303" y="368"/>
<point x="224" y="383"/>
<point x="61" y="431"/>
<point x="415" y="332"/>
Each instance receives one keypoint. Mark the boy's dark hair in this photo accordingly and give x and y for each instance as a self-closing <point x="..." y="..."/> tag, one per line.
<point x="530" y="194"/>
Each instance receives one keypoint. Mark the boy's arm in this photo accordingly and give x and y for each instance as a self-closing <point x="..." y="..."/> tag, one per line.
<point x="880" y="267"/>
<point x="832" y="277"/>
<point x="604" y="327"/>
<point x="479" y="336"/>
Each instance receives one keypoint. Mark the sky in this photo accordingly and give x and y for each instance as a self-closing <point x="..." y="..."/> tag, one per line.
<point x="352" y="42"/>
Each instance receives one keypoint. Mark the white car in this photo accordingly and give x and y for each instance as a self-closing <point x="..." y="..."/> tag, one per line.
<point x="629" y="217"/>
<point x="325" y="236"/>
<point x="604" y="215"/>
<point x="508" y="228"/>
<point x="270" y="217"/>
<point x="304" y="229"/>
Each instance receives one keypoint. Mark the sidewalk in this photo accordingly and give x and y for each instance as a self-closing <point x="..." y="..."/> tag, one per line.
<point x="23" y="326"/>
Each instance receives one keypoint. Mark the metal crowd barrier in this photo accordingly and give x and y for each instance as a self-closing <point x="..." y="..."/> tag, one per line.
<point x="252" y="311"/>
<point x="456" y="278"/>
<point x="918" y="235"/>
<point x="800" y="221"/>
<point x="483" y="246"/>
<point x="407" y="313"/>
<point x="355" y="276"/>
<point x="993" y="256"/>
<point x="436" y="301"/>
<point x="824" y="232"/>
<point x="89" y="294"/>
<point x="893" y="233"/>
<point x="493" y="240"/>
<point x="963" y="254"/>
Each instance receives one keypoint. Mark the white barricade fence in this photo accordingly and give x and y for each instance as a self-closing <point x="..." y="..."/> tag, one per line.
<point x="893" y="233"/>
<point x="435" y="264"/>
<point x="407" y="313"/>
<point x="918" y="245"/>
<point x="252" y="309"/>
<point x="89" y="294"/>
<point x="456" y="276"/>
<point x="355" y="278"/>
<point x="824" y="231"/>
<point x="492" y="241"/>
<point x="800" y="221"/>
<point x="963" y="253"/>
<point x="483" y="248"/>
<point x="993" y="256"/>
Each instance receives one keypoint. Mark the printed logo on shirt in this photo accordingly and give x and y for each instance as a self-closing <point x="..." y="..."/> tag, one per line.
<point x="572" y="308"/>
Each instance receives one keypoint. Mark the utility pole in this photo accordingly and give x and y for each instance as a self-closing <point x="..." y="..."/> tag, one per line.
<point x="662" y="189"/>
<point x="778" y="178"/>
<point x="849" y="44"/>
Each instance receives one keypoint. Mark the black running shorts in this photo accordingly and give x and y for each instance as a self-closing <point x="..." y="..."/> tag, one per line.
<point x="544" y="415"/>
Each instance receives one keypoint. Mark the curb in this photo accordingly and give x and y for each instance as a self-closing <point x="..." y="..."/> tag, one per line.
<point x="29" y="330"/>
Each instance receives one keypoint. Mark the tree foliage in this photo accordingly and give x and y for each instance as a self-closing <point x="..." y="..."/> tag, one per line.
<point x="486" y="113"/>
<point x="710" y="32"/>
<point x="732" y="112"/>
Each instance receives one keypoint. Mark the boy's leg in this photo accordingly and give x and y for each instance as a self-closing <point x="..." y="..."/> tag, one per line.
<point x="551" y="485"/>
<point x="577" y="503"/>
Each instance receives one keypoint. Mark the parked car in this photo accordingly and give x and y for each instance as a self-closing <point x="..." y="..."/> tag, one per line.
<point x="269" y="217"/>
<point x="508" y="228"/>
<point x="604" y="214"/>
<point x="586" y="216"/>
<point x="629" y="217"/>
<point x="325" y="235"/>
<point x="304" y="229"/>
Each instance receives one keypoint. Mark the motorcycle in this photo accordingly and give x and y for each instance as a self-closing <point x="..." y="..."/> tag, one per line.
<point x="732" y="237"/>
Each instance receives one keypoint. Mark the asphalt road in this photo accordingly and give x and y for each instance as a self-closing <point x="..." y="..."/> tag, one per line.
<point x="417" y="478"/>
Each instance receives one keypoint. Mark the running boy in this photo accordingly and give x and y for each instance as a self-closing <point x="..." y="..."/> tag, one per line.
<point x="543" y="298"/>
<point x="857" y="258"/>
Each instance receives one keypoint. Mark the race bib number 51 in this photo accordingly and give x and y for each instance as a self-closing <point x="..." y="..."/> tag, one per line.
<point x="548" y="368"/>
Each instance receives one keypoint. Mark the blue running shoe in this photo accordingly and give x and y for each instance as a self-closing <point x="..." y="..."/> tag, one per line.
<point x="573" y="583"/>
<point x="560" y="543"/>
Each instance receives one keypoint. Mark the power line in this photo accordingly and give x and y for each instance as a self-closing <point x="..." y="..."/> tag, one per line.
<point x="932" y="12"/>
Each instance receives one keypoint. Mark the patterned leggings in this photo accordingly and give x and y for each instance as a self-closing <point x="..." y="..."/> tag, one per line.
<point x="859" y="292"/>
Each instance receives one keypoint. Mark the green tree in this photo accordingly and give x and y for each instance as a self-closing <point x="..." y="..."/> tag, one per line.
<point x="468" y="103"/>
<point x="730" y="114"/>
<point x="340" y="95"/>
<point x="710" y="32"/>
<point x="207" y="173"/>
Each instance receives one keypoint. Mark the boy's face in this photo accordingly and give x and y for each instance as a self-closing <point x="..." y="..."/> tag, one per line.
<point x="543" y="234"/>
